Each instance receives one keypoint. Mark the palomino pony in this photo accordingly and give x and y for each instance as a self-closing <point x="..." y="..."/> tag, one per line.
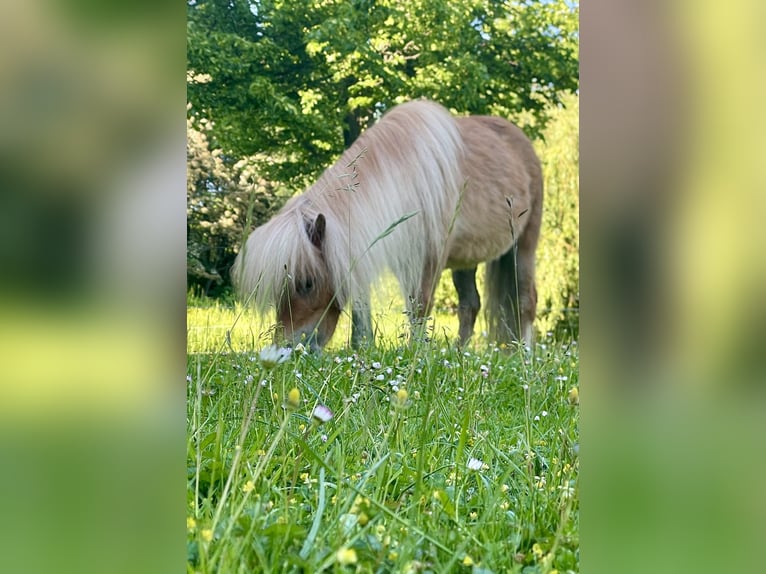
<point x="418" y="192"/>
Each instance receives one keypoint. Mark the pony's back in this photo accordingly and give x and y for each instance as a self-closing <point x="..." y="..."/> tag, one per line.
<point x="409" y="163"/>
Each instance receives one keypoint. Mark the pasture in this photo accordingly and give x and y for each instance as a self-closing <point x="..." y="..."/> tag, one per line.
<point x="435" y="458"/>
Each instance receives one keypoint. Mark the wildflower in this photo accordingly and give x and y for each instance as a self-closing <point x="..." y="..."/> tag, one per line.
<point x="321" y="413"/>
<point x="323" y="438"/>
<point x="475" y="464"/>
<point x="467" y="561"/>
<point x="376" y="365"/>
<point x="294" y="398"/>
<point x="574" y="396"/>
<point x="505" y="488"/>
<point x="400" y="397"/>
<point x="380" y="377"/>
<point x="473" y="515"/>
<point x="248" y="487"/>
<point x="272" y="356"/>
<point x="346" y="556"/>
<point x="525" y="387"/>
<point x="207" y="534"/>
<point x="566" y="491"/>
<point x="190" y="522"/>
<point x="299" y="348"/>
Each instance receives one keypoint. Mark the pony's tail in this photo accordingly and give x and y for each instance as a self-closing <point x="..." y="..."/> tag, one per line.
<point x="511" y="297"/>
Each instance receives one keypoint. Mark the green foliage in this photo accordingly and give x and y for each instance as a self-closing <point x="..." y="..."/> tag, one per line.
<point x="222" y="200"/>
<point x="297" y="81"/>
<point x="558" y="253"/>
<point x="435" y="459"/>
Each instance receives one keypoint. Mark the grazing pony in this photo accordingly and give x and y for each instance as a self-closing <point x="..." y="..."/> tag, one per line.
<point x="418" y="192"/>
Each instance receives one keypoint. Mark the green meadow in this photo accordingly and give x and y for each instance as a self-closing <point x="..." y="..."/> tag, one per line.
<point x="410" y="456"/>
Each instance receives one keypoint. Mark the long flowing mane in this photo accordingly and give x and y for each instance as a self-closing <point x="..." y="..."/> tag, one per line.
<point x="409" y="162"/>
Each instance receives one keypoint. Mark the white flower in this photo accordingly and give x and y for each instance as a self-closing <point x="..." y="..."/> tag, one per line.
<point x="322" y="413"/>
<point x="380" y="378"/>
<point x="272" y="356"/>
<point x="474" y="464"/>
<point x="376" y="365"/>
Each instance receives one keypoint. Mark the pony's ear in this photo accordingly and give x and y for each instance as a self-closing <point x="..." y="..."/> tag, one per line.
<point x="316" y="230"/>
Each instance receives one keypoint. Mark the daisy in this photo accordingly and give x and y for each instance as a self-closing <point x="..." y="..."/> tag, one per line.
<point x="322" y="414"/>
<point x="272" y="356"/>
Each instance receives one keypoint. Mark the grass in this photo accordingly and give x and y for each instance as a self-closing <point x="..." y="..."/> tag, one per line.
<point x="436" y="459"/>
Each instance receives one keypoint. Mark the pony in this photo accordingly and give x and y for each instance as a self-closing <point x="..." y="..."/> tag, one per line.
<point x="418" y="192"/>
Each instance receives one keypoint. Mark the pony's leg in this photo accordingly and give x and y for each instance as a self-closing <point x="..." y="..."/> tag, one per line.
<point x="527" y="293"/>
<point x="511" y="295"/>
<point x="419" y="304"/>
<point x="469" y="302"/>
<point x="361" y="322"/>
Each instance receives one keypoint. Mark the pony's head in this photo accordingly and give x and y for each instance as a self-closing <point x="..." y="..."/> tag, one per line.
<point x="308" y="310"/>
<point x="283" y="265"/>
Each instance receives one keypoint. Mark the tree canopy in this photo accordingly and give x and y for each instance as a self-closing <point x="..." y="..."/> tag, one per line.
<point x="294" y="82"/>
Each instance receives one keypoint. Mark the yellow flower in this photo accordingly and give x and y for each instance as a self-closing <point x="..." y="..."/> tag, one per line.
<point x="346" y="556"/>
<point x="190" y="522"/>
<point x="207" y="534"/>
<point x="504" y="488"/>
<point x="248" y="487"/>
<point x="537" y="550"/>
<point x="294" y="398"/>
<point x="400" y="397"/>
<point x="574" y="396"/>
<point x="467" y="561"/>
<point x="363" y="519"/>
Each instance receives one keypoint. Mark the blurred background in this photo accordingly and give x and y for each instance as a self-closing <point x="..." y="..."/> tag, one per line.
<point x="93" y="247"/>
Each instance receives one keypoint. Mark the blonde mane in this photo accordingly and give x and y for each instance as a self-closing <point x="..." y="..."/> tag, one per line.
<point x="409" y="162"/>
